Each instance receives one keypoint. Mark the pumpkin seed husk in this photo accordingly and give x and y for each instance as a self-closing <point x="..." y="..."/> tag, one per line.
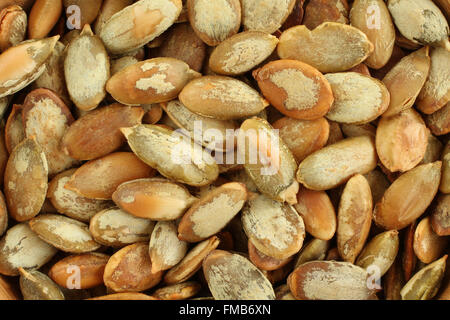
<point x="35" y="285"/>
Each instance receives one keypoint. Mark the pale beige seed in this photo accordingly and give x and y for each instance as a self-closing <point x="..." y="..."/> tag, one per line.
<point x="117" y="228"/>
<point x="214" y="21"/>
<point x="231" y="276"/>
<point x="21" y="247"/>
<point x="354" y="218"/>
<point x="35" y="285"/>
<point x="314" y="250"/>
<point x="166" y="249"/>
<point x="435" y="94"/>
<point x="428" y="246"/>
<point x="380" y="252"/>
<point x="420" y="21"/>
<point x="172" y="154"/>
<point x="139" y="23"/>
<point x="23" y="64"/>
<point x="107" y="10"/>
<point x="358" y="98"/>
<point x="64" y="233"/>
<point x="26" y="177"/>
<point x="408" y="197"/>
<point x="425" y="284"/>
<point x="373" y="18"/>
<point x="411" y="70"/>
<point x="242" y="52"/>
<point x="267" y="160"/>
<point x="331" y="47"/>
<point x="402" y="140"/>
<point x="86" y="69"/>
<point x="14" y="26"/>
<point x="274" y="228"/>
<point x="335" y="164"/>
<point x="266" y="15"/>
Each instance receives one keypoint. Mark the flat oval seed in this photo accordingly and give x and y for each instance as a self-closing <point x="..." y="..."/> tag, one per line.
<point x="64" y="233"/>
<point x="435" y="94"/>
<point x="314" y="250"/>
<point x="233" y="277"/>
<point x="213" y="212"/>
<point x="180" y="291"/>
<point x="172" y="154"/>
<point x="439" y="121"/>
<point x="428" y="246"/>
<point x="296" y="89"/>
<point x="274" y="228"/>
<point x="223" y="98"/>
<point x="214" y="132"/>
<point x="35" y="285"/>
<point x="380" y="252"/>
<point x="401" y="141"/>
<point x="26" y="176"/>
<point x="242" y="52"/>
<point x="317" y="212"/>
<point x="23" y="64"/>
<point x="335" y="164"/>
<point x="214" y="21"/>
<point x="150" y="81"/>
<point x="116" y="228"/>
<point x="46" y="117"/>
<point x="320" y="11"/>
<point x="303" y="137"/>
<point x="86" y="69"/>
<point x="43" y="17"/>
<point x="329" y="280"/>
<point x="405" y="80"/>
<point x="408" y="197"/>
<point x="14" y="26"/>
<point x="156" y="199"/>
<point x="139" y="23"/>
<point x="21" y="247"/>
<point x="89" y="265"/>
<point x="265" y="15"/>
<point x="373" y="18"/>
<point x="70" y="203"/>
<point x="354" y="218"/>
<point x="192" y="261"/>
<point x="97" y="133"/>
<point x="267" y="160"/>
<point x="98" y="179"/>
<point x="440" y="216"/>
<point x="425" y="284"/>
<point x="358" y="98"/>
<point x="129" y="270"/>
<point x="420" y="21"/>
<point x="331" y="47"/>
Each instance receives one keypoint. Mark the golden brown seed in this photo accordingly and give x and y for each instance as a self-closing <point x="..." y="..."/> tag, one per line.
<point x="97" y="133"/>
<point x="88" y="267"/>
<point x="408" y="197"/>
<point x="129" y="270"/>
<point x="266" y="15"/>
<point x="296" y="89"/>
<point x="320" y="11"/>
<point x="223" y="98"/>
<point x="317" y="212"/>
<point x="409" y="259"/>
<point x="86" y="69"/>
<point x="35" y="285"/>
<point x="98" y="179"/>
<point x="358" y="98"/>
<point x="402" y="141"/>
<point x="440" y="216"/>
<point x="439" y="121"/>
<point x="354" y="218"/>
<point x="43" y="17"/>
<point x="411" y="70"/>
<point x="314" y="250"/>
<point x="14" y="26"/>
<point x="428" y="246"/>
<point x="153" y="113"/>
<point x="303" y="137"/>
<point x="373" y="18"/>
<point x="26" y="176"/>
<point x="264" y="262"/>
<point x="181" y="291"/>
<point x="233" y="277"/>
<point x="335" y="164"/>
<point x="331" y="47"/>
<point x="137" y="24"/>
